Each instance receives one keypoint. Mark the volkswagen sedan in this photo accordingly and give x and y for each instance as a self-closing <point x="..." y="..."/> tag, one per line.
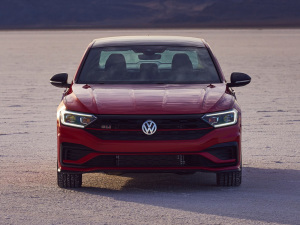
<point x="149" y="104"/>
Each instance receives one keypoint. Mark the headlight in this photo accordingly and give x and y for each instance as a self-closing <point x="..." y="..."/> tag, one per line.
<point x="75" y="119"/>
<point x="221" y="119"/>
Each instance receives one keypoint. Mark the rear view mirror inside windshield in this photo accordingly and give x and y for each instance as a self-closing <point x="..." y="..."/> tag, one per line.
<point x="149" y="57"/>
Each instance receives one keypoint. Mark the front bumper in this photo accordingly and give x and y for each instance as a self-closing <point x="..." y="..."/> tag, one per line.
<point x="217" y="151"/>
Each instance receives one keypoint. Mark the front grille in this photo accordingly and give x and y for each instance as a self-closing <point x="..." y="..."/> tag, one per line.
<point x="140" y="136"/>
<point x="131" y="161"/>
<point x="136" y="121"/>
<point x="148" y="161"/>
<point x="129" y="127"/>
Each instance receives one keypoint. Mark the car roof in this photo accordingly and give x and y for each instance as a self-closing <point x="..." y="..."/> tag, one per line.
<point x="148" y="40"/>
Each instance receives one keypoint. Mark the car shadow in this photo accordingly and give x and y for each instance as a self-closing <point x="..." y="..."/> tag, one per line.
<point x="263" y="192"/>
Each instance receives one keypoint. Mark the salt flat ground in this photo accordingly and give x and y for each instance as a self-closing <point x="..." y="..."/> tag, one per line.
<point x="270" y="192"/>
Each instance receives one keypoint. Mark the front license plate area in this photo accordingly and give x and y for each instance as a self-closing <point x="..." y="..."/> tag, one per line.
<point x="149" y="160"/>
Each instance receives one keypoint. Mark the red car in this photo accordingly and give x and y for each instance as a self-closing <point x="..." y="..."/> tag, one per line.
<point x="149" y="104"/>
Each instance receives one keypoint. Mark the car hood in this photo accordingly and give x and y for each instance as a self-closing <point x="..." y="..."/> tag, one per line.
<point x="148" y="98"/>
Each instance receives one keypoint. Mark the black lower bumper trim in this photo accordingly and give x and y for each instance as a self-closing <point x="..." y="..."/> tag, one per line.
<point x="225" y="151"/>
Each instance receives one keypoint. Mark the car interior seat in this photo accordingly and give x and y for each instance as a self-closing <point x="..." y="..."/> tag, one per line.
<point x="182" y="67"/>
<point x="148" y="71"/>
<point x="115" y="67"/>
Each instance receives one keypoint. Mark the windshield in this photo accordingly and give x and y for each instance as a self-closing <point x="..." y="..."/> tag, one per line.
<point x="147" y="65"/>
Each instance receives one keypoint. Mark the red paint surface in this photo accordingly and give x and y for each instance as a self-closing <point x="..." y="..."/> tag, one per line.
<point x="148" y="99"/>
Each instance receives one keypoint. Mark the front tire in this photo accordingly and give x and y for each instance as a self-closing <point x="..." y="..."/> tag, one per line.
<point x="227" y="179"/>
<point x="68" y="180"/>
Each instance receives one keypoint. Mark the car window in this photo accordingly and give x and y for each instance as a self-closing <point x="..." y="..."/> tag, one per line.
<point x="148" y="64"/>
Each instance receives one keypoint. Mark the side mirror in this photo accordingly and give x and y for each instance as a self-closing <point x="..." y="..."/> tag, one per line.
<point x="239" y="79"/>
<point x="60" y="80"/>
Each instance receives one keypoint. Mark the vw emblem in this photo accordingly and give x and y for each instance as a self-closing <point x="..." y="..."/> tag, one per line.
<point x="149" y="127"/>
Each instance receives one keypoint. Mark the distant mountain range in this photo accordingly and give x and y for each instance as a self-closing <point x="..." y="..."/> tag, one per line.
<point x="56" y="14"/>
